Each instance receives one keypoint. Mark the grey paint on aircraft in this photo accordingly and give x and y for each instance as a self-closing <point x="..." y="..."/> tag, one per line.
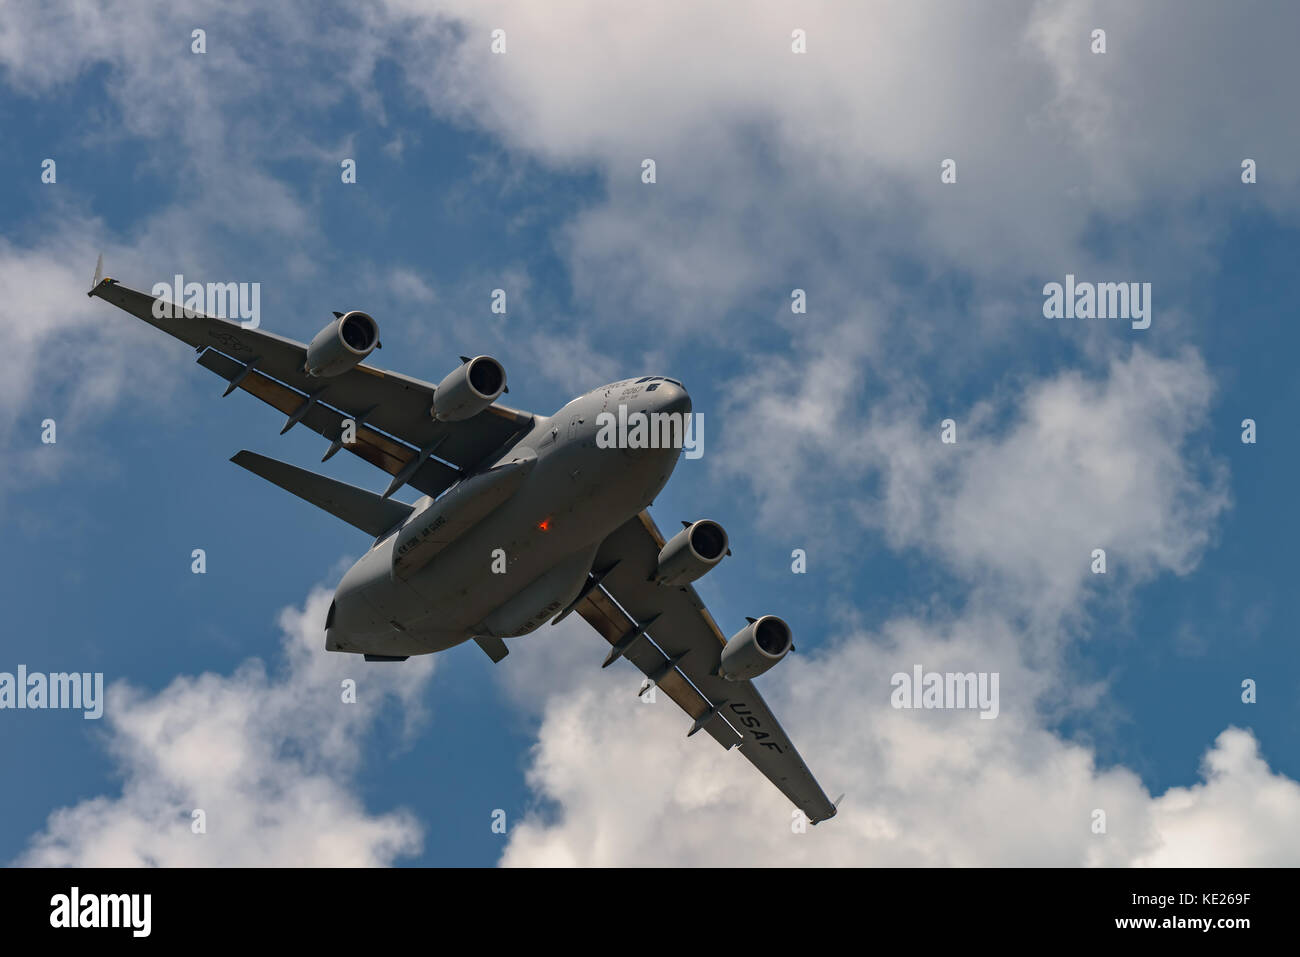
<point x="570" y="496"/>
<point x="517" y="511"/>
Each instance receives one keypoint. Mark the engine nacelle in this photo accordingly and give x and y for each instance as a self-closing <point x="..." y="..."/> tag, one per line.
<point x="342" y="344"/>
<point x="690" y="553"/>
<point x="755" y="648"/>
<point x="469" y="389"/>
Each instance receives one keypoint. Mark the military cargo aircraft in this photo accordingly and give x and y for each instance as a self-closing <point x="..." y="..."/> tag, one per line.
<point x="524" y="518"/>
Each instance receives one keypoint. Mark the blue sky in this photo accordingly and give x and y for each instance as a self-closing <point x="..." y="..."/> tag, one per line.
<point x="774" y="171"/>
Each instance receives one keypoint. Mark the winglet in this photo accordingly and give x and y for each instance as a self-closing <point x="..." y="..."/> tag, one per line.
<point x="99" y="275"/>
<point x="100" y="279"/>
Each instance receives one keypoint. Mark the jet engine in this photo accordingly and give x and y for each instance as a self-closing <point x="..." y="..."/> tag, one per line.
<point x="469" y="389"/>
<point x="342" y="344"/>
<point x="755" y="648"/>
<point x="691" y="552"/>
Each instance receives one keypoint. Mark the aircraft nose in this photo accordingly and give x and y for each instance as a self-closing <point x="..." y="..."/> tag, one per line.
<point x="673" y="398"/>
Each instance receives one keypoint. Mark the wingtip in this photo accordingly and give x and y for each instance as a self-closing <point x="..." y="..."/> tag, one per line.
<point x="99" y="278"/>
<point x="835" y="809"/>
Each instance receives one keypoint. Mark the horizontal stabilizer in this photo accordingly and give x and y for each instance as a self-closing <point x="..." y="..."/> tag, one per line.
<point x="356" y="506"/>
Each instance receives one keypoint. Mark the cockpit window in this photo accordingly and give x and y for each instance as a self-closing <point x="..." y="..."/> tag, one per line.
<point x="652" y="387"/>
<point x="659" y="378"/>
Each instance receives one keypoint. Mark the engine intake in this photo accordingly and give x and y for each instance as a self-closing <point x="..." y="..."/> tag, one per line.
<point x="342" y="344"/>
<point x="690" y="553"/>
<point x="468" y="389"/>
<point x="755" y="648"/>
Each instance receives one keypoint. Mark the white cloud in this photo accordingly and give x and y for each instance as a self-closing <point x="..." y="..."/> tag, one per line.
<point x="821" y="171"/>
<point x="774" y="166"/>
<point x="923" y="788"/>
<point x="212" y="126"/>
<point x="268" y="756"/>
<point x="775" y="171"/>
<point x="1085" y="464"/>
<point x="1242" y="815"/>
<point x="67" y="357"/>
<point x="1013" y="510"/>
<point x="1042" y="471"/>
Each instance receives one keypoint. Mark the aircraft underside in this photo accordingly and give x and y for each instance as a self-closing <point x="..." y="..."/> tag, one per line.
<point x="524" y="518"/>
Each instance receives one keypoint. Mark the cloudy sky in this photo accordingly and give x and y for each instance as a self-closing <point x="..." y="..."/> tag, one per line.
<point x="775" y="170"/>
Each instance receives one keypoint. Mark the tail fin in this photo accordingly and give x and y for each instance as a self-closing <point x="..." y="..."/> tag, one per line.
<point x="356" y="506"/>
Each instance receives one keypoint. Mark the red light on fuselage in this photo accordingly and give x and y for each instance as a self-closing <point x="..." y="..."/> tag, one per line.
<point x="544" y="525"/>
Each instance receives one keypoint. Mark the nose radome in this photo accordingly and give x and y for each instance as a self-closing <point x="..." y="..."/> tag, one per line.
<point x="674" y="398"/>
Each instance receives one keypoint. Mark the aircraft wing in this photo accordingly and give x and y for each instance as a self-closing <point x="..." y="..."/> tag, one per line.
<point x="679" y="648"/>
<point x="394" y="429"/>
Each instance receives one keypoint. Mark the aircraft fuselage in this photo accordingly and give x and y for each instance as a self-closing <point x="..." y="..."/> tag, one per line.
<point x="508" y="548"/>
